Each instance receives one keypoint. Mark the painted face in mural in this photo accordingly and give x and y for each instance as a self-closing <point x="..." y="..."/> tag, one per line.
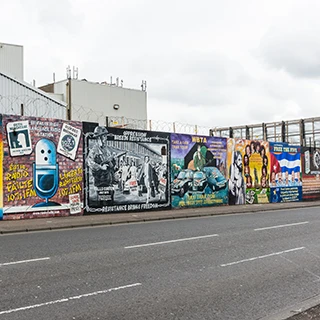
<point x="273" y="177"/>
<point x="253" y="147"/>
<point x="262" y="151"/>
<point x="248" y="152"/>
<point x="264" y="171"/>
<point x="102" y="141"/>
<point x="246" y="160"/>
<point x="263" y="181"/>
<point x="239" y="161"/>
<point x="265" y="161"/>
<point x="258" y="146"/>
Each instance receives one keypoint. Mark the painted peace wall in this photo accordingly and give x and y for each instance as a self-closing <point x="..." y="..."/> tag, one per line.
<point x="198" y="171"/>
<point x="285" y="173"/>
<point x="310" y="158"/>
<point x="125" y="170"/>
<point x="248" y="171"/>
<point x="42" y="167"/>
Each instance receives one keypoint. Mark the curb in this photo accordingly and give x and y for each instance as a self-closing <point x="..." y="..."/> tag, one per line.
<point x="235" y="210"/>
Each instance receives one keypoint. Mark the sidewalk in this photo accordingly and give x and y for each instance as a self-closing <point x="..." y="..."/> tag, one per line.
<point x="12" y="226"/>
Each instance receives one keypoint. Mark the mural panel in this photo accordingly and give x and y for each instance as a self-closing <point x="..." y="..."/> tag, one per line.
<point x="1" y="170"/>
<point x="310" y="158"/>
<point x="40" y="176"/>
<point x="285" y="171"/>
<point x="126" y="170"/>
<point x="248" y="174"/>
<point x="198" y="171"/>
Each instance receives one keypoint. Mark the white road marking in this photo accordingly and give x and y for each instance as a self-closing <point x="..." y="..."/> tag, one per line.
<point x="261" y="257"/>
<point x="69" y="299"/>
<point x="23" y="261"/>
<point x="282" y="226"/>
<point x="171" y="241"/>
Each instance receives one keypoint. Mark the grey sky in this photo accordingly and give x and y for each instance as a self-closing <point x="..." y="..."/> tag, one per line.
<point x="211" y="63"/>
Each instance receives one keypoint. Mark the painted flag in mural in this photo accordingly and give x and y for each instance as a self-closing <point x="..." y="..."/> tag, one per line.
<point x="285" y="161"/>
<point x="274" y="164"/>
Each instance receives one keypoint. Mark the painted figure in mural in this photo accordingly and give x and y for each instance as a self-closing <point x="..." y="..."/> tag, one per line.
<point x="146" y="173"/>
<point x="21" y="139"/>
<point x="258" y="147"/>
<point x="249" y="181"/>
<point x="245" y="160"/>
<point x="252" y="147"/>
<point x="124" y="170"/>
<point x="133" y="171"/>
<point x="236" y="181"/>
<point x="262" y="151"/>
<point x="273" y="182"/>
<point x="265" y="161"/>
<point x="248" y="151"/>
<point x="100" y="159"/>
<point x="199" y="158"/>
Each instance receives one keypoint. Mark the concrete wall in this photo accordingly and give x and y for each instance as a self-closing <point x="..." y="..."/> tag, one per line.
<point x="11" y="60"/>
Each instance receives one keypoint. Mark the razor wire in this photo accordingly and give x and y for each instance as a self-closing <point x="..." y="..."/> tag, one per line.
<point x="26" y="105"/>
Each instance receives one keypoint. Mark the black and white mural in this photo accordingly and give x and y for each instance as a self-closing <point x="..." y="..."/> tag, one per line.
<point x="125" y="170"/>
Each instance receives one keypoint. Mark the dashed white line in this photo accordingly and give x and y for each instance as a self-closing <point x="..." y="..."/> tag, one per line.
<point x="23" y="261"/>
<point x="282" y="226"/>
<point x="261" y="257"/>
<point x="69" y="299"/>
<point x="171" y="241"/>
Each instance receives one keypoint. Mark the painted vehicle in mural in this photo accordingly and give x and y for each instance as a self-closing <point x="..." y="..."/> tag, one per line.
<point x="182" y="183"/>
<point x="199" y="183"/>
<point x="215" y="178"/>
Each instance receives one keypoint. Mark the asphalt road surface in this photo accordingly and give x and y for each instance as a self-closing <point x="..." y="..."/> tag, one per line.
<point x="248" y="266"/>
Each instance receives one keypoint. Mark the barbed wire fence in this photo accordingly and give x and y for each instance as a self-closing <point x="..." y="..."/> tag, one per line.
<point x="30" y="106"/>
<point x="26" y="105"/>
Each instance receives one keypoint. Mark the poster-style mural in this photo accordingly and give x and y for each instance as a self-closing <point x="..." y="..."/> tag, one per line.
<point x="43" y="167"/>
<point x="310" y="158"/>
<point x="248" y="171"/>
<point x="125" y="170"/>
<point x="1" y="170"/>
<point x="198" y="171"/>
<point x="285" y="171"/>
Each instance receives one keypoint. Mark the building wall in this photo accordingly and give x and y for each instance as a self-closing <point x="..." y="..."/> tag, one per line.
<point x="11" y="60"/>
<point x="16" y="95"/>
<point x="94" y="102"/>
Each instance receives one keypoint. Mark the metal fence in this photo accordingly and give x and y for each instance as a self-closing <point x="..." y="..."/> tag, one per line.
<point x="303" y="132"/>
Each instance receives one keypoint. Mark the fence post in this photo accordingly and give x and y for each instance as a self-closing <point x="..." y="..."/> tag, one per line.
<point x="150" y="125"/>
<point x="174" y="127"/>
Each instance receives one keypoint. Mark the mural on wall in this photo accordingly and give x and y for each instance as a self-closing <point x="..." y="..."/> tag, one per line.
<point x="42" y="167"/>
<point x="1" y="170"/>
<point x="125" y="170"/>
<point x="198" y="170"/>
<point x="248" y="171"/>
<point x="285" y="168"/>
<point x="310" y="158"/>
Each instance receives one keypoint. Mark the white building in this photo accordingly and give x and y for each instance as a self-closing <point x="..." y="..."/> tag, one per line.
<point x="101" y="102"/>
<point x="19" y="97"/>
<point x="11" y="60"/>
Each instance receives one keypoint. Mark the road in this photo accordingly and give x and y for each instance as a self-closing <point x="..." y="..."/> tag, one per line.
<point x="246" y="266"/>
